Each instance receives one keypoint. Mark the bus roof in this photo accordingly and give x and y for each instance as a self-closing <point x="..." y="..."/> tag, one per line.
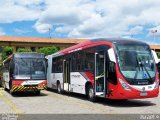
<point x="25" y="55"/>
<point x="119" y="40"/>
<point x="98" y="41"/>
<point x="29" y="55"/>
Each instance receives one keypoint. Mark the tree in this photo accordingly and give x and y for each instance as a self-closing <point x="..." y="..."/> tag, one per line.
<point x="158" y="54"/>
<point x="24" y="50"/>
<point x="47" y="50"/>
<point x="7" y="51"/>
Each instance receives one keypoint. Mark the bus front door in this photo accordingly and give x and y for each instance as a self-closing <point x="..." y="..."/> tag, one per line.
<point x="100" y="87"/>
<point x="66" y="75"/>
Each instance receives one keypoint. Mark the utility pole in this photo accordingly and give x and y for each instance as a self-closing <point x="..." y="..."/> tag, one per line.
<point x="49" y="31"/>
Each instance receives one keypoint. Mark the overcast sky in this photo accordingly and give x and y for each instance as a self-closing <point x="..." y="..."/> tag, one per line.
<point x="138" y="19"/>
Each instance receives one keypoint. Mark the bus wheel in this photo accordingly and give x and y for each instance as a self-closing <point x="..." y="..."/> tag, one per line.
<point x="59" y="90"/>
<point x="10" y="88"/>
<point x="38" y="92"/>
<point x="11" y="92"/>
<point x="90" y="94"/>
<point x="5" y="87"/>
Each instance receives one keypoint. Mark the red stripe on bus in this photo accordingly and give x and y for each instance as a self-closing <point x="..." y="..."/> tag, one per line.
<point x="17" y="82"/>
<point x="44" y="82"/>
<point x="90" y="76"/>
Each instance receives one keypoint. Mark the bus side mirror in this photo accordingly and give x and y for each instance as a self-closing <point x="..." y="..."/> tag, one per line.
<point x="111" y="55"/>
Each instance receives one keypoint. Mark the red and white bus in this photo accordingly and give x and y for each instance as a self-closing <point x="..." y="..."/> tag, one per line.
<point x="24" y="72"/>
<point x="109" y="68"/>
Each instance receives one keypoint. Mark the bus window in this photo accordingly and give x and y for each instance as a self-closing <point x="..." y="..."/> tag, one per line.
<point x="38" y="69"/>
<point x="89" y="60"/>
<point x="57" y="65"/>
<point x="112" y="77"/>
<point x="22" y="68"/>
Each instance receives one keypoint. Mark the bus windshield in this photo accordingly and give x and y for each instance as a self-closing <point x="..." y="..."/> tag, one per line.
<point x="136" y="62"/>
<point x="29" y="68"/>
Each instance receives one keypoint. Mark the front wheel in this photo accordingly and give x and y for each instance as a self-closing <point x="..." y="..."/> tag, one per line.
<point x="91" y="93"/>
<point x="10" y="88"/>
<point x="38" y="92"/>
<point x="11" y="92"/>
<point x="4" y="86"/>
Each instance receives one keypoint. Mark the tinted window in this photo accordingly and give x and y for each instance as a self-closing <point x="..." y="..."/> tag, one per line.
<point x="57" y="65"/>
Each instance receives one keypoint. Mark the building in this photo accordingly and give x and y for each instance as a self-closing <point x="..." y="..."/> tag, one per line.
<point x="36" y="43"/>
<point x="155" y="47"/>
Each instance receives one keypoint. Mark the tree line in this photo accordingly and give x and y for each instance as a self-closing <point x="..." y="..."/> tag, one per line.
<point x="7" y="50"/>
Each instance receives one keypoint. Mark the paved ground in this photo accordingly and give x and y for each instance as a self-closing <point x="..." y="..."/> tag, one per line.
<point x="49" y="102"/>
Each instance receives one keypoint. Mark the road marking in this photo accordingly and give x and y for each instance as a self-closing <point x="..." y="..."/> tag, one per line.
<point x="12" y="106"/>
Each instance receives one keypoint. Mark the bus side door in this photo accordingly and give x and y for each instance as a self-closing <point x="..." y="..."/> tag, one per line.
<point x="100" y="71"/>
<point x="66" y="75"/>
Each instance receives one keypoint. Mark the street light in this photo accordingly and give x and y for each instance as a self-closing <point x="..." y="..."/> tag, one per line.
<point x="48" y="30"/>
<point x="154" y="32"/>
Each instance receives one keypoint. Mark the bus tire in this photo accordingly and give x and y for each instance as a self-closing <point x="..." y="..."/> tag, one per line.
<point x="11" y="92"/>
<point x="59" y="90"/>
<point x="10" y="88"/>
<point x="38" y="92"/>
<point x="5" y="88"/>
<point x="90" y="93"/>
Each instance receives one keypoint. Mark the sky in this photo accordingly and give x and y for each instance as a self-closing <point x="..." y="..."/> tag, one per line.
<point x="138" y="19"/>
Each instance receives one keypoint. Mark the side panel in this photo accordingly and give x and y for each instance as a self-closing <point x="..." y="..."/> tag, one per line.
<point x="78" y="81"/>
<point x="57" y="77"/>
<point x="54" y="77"/>
<point x="49" y="72"/>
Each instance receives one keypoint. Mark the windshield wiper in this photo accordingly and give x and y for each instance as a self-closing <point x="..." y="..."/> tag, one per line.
<point x="143" y="66"/>
<point x="139" y="67"/>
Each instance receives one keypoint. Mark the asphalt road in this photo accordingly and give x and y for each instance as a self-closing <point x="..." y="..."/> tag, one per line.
<point x="49" y="102"/>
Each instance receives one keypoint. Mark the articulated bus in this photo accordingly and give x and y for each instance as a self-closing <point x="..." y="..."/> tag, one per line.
<point x="24" y="72"/>
<point x="110" y="68"/>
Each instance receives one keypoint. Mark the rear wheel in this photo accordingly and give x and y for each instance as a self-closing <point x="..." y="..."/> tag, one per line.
<point x="59" y="90"/>
<point x="90" y="93"/>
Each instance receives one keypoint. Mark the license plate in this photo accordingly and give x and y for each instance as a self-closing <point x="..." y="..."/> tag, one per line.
<point x="143" y="94"/>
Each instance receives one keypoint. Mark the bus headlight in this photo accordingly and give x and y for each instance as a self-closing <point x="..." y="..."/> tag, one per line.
<point x="124" y="85"/>
<point x="156" y="85"/>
